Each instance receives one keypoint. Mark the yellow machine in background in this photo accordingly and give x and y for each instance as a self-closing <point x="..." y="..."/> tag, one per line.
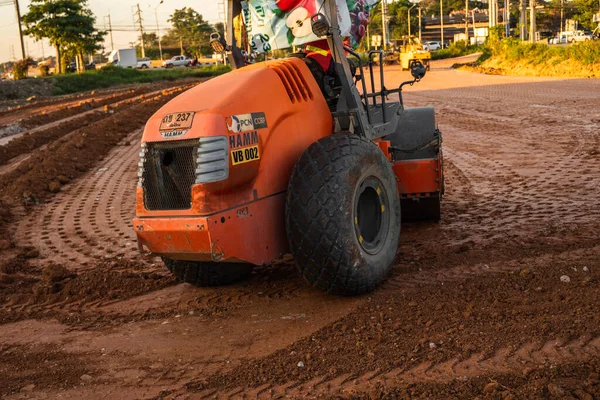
<point x="411" y="49"/>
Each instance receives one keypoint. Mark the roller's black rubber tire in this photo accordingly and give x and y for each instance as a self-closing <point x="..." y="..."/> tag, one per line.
<point x="337" y="180"/>
<point x="208" y="273"/>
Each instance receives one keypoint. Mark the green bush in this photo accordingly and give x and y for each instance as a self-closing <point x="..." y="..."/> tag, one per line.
<point x="514" y="57"/>
<point x="20" y="70"/>
<point x="110" y="75"/>
<point x="586" y="53"/>
<point x="457" y="49"/>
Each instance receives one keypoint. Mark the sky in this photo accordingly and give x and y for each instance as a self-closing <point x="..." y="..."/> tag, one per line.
<point x="121" y="15"/>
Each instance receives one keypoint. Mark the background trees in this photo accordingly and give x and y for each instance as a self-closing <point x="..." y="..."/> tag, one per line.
<point x="190" y="31"/>
<point x="548" y="18"/>
<point x="67" y="24"/>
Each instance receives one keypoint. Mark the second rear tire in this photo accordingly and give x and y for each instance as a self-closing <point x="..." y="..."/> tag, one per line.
<point x="343" y="215"/>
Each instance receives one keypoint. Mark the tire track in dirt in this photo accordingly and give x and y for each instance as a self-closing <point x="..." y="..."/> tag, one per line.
<point x="507" y="360"/>
<point x="530" y="189"/>
<point x="91" y="218"/>
<point x="502" y="204"/>
<point x="520" y="361"/>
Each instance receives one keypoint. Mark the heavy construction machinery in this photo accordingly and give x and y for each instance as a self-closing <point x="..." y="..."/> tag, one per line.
<point x="404" y="52"/>
<point x="411" y="49"/>
<point x="287" y="156"/>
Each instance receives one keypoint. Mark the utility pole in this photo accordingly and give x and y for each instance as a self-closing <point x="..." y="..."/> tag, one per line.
<point x="532" y="24"/>
<point x="474" y="25"/>
<point x="413" y="6"/>
<point x="109" y="29"/>
<point x="224" y="10"/>
<point x="442" y="21"/>
<point x="384" y="23"/>
<point x="139" y="21"/>
<point x="158" y="29"/>
<point x="467" y="22"/>
<point x="223" y="13"/>
<point x="507" y="18"/>
<point x="562" y="15"/>
<point x="493" y="13"/>
<point x="522" y="20"/>
<point x="18" y="10"/>
<point x="420" y="21"/>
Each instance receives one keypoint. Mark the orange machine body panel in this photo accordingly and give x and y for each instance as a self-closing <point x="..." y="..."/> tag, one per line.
<point x="251" y="199"/>
<point x="251" y="233"/>
<point x="419" y="178"/>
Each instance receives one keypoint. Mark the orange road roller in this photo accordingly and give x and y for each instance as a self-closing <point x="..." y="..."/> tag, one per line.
<point x="288" y="156"/>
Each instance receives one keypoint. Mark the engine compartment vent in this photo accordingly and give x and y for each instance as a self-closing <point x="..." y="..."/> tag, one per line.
<point x="296" y="86"/>
<point x="212" y="163"/>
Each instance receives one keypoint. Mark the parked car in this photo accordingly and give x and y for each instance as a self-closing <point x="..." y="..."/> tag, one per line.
<point x="582" y="36"/>
<point x="143" y="63"/>
<point x="431" y="46"/>
<point x="572" y="37"/>
<point x="91" y="66"/>
<point x="177" y="61"/>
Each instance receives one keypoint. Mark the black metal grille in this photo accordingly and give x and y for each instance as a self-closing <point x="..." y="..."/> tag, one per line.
<point x="169" y="171"/>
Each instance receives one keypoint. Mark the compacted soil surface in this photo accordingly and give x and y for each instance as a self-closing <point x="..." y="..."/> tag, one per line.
<point x="497" y="301"/>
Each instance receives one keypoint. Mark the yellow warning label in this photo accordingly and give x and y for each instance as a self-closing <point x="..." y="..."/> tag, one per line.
<point x="248" y="154"/>
<point x="317" y="50"/>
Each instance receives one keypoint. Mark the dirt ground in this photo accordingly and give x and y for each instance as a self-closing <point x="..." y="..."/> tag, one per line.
<point x="497" y="301"/>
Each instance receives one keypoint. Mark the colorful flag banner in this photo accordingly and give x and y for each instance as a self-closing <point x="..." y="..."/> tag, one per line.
<point x="280" y="24"/>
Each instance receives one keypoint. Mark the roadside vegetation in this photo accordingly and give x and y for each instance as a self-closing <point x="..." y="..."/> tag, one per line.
<point x="513" y="57"/>
<point x="110" y="76"/>
<point x="457" y="49"/>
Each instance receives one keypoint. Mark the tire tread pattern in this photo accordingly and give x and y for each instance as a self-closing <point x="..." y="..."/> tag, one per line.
<point x="322" y="241"/>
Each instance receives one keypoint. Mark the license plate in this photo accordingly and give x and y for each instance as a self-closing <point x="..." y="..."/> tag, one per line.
<point x="173" y="121"/>
<point x="245" y="155"/>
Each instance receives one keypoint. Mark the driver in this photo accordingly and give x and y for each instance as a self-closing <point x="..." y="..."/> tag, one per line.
<point x="276" y="24"/>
